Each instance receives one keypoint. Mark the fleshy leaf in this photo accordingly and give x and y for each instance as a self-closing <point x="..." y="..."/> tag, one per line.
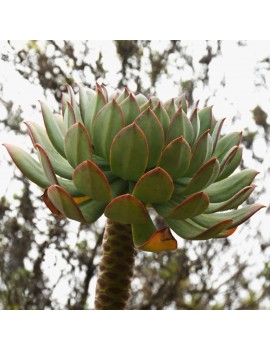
<point x="180" y="125"/>
<point x="192" y="206"/>
<point x="92" y="210"/>
<point x="216" y="133"/>
<point x="126" y="209"/>
<point x="148" y="104"/>
<point x="161" y="240"/>
<point x="141" y="99"/>
<point x="64" y="203"/>
<point x="50" y="205"/>
<point x="64" y="100"/>
<point x="206" y="174"/>
<point x="231" y="166"/>
<point x="183" y="102"/>
<point x="27" y="165"/>
<point x="108" y="123"/>
<point x="175" y="158"/>
<point x="153" y="132"/>
<point x="46" y="165"/>
<point x="84" y="101"/>
<point x="201" y="153"/>
<point x="227" y="188"/>
<point x="130" y="108"/>
<point x="91" y="181"/>
<point x="226" y="233"/>
<point x="226" y="143"/>
<point x="53" y="130"/>
<point x="162" y="116"/>
<point x="188" y="229"/>
<point x="129" y="153"/>
<point x="74" y="104"/>
<point x="238" y="216"/>
<point x="170" y="107"/>
<point x="93" y="108"/>
<point x="205" y="115"/>
<point x="123" y="96"/>
<point x="233" y="202"/>
<point x="142" y="232"/>
<point x="155" y="186"/>
<point x="39" y="136"/>
<point x="195" y="121"/>
<point x="78" y="147"/>
<point x="69" y="117"/>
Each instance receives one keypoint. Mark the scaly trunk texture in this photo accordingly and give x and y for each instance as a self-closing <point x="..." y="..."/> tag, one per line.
<point x="115" y="268"/>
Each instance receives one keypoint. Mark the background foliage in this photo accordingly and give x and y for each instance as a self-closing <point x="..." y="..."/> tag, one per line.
<point x="51" y="263"/>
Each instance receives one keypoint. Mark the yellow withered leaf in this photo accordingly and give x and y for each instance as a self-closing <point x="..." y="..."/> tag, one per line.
<point x="161" y="240"/>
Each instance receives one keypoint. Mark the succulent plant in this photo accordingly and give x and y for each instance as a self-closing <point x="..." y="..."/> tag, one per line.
<point x="123" y="155"/>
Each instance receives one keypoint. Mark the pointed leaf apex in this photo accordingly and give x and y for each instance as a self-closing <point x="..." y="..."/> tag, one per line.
<point x="161" y="240"/>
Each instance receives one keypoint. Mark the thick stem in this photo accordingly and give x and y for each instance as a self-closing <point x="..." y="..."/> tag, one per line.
<point x="115" y="268"/>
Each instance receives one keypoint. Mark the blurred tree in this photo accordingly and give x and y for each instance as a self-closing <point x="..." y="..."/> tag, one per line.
<point x="43" y="258"/>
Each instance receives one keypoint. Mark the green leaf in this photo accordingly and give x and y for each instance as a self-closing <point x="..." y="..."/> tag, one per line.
<point x="180" y="126"/>
<point x="216" y="133"/>
<point x="53" y="130"/>
<point x="195" y="121"/>
<point x="90" y="94"/>
<point x="78" y="147"/>
<point x="238" y="216"/>
<point x="201" y="153"/>
<point x="162" y="116"/>
<point x="64" y="203"/>
<point x="126" y="209"/>
<point x="203" y="177"/>
<point x="27" y="165"/>
<point x="92" y="210"/>
<point x="141" y="99"/>
<point x="189" y="230"/>
<point x="183" y="102"/>
<point x="130" y="108"/>
<point x="74" y="104"/>
<point x="153" y="132"/>
<point x="226" y="143"/>
<point x="192" y="206"/>
<point x="108" y="123"/>
<point x="91" y="181"/>
<point x="105" y="91"/>
<point x="39" y="136"/>
<point x="170" y="107"/>
<point x="227" y="158"/>
<point x="129" y="153"/>
<point x="93" y="108"/>
<point x="149" y="103"/>
<point x="175" y="158"/>
<point x="69" y="186"/>
<point x="69" y="117"/>
<point x="60" y="121"/>
<point x="233" y="202"/>
<point x="46" y="165"/>
<point x="155" y="186"/>
<point x="84" y="101"/>
<point x="142" y="232"/>
<point x="123" y="96"/>
<point x="64" y="100"/>
<point x="227" y="188"/>
<point x="232" y="164"/>
<point x="205" y="115"/>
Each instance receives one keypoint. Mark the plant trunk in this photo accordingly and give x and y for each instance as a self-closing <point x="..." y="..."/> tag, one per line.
<point x="115" y="268"/>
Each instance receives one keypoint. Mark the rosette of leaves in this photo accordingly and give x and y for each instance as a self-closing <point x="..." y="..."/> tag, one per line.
<point x="123" y="155"/>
